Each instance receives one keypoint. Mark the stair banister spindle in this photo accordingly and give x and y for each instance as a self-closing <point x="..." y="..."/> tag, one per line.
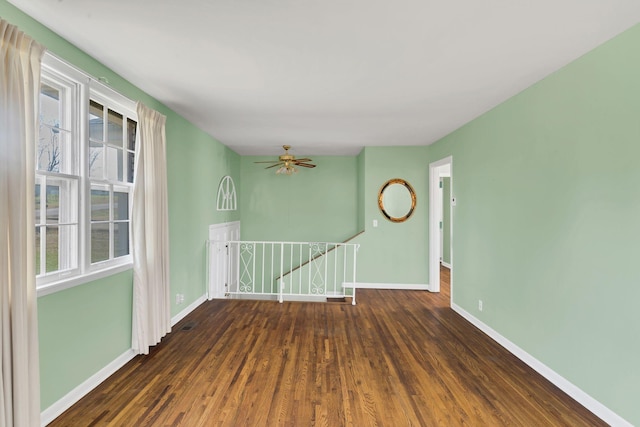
<point x="300" y="247"/>
<point x="272" y="271"/>
<point x="355" y="252"/>
<point x="262" y="287"/>
<point x="281" y="272"/>
<point x="344" y="266"/>
<point x="324" y="258"/>
<point x="335" y="268"/>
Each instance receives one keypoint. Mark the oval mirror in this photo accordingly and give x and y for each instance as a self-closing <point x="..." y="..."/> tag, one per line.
<point x="397" y="200"/>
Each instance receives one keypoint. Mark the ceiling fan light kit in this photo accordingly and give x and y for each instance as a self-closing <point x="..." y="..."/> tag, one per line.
<point x="287" y="169"/>
<point x="288" y="163"/>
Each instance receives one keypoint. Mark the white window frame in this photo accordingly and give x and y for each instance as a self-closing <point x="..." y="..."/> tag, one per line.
<point x="110" y="99"/>
<point x="86" y="88"/>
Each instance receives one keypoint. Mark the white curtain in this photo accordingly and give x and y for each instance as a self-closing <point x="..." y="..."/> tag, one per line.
<point x="150" y="234"/>
<point x="20" y="59"/>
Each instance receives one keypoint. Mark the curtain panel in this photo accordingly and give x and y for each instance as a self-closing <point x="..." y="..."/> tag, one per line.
<point x="20" y="59"/>
<point x="150" y="234"/>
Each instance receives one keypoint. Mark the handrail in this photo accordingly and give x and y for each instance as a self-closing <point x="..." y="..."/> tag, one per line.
<point x="335" y="245"/>
<point x="348" y="239"/>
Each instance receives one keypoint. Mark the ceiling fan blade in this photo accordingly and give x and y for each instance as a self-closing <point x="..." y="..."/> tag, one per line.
<point x="273" y="166"/>
<point x="288" y="161"/>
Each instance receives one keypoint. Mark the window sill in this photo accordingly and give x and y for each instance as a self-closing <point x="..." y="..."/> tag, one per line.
<point x="60" y="285"/>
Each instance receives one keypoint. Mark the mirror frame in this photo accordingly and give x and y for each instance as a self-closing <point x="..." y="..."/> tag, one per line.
<point x="381" y="199"/>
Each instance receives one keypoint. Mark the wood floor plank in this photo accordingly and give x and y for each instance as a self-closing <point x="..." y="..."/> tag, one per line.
<point x="398" y="358"/>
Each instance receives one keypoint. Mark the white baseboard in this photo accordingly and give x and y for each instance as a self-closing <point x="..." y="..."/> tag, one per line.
<point x="305" y="298"/>
<point x="406" y="287"/>
<point x="53" y="411"/>
<point x="254" y="297"/>
<point x="178" y="317"/>
<point x="446" y="264"/>
<point x="286" y="297"/>
<point x="598" y="409"/>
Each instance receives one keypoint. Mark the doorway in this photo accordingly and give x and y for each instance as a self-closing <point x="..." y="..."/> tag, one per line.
<point x="441" y="202"/>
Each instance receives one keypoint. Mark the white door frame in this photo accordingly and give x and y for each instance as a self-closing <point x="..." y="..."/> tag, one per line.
<point x="435" y="202"/>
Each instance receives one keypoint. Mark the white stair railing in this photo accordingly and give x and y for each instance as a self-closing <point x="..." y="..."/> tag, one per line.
<point x="312" y="271"/>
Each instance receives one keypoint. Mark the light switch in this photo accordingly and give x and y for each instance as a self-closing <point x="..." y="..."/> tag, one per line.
<point x="375" y="222"/>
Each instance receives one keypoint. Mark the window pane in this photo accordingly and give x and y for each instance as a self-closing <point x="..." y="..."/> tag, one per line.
<point x="120" y="206"/>
<point x="62" y="200"/>
<point x="131" y="134"/>
<point x="115" y="129"/>
<point x="37" y="204"/>
<point x="53" y="204"/>
<point x="131" y="158"/>
<point x="121" y="238"/>
<point x="99" y="242"/>
<point x="37" y="250"/>
<point x="96" y="160"/>
<point x="99" y="205"/>
<point x="114" y="164"/>
<point x="50" y="153"/>
<point x="49" y="105"/>
<point x="52" y="252"/>
<point x="96" y="121"/>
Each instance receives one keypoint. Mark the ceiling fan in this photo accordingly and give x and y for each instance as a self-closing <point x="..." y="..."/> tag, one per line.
<point x="288" y="162"/>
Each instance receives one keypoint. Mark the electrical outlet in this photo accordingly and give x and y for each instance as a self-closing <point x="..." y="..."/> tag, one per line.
<point x="480" y="304"/>
<point x="179" y="298"/>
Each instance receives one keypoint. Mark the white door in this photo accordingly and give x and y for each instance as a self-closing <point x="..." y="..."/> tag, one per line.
<point x="222" y="263"/>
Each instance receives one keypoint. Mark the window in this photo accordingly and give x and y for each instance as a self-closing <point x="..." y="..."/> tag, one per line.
<point x="58" y="180"/>
<point x="112" y="134"/>
<point x="85" y="154"/>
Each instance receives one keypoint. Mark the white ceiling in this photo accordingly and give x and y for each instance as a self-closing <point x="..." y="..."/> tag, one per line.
<point x="332" y="76"/>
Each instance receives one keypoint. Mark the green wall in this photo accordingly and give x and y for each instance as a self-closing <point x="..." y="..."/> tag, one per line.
<point x="446" y="220"/>
<point x="315" y="205"/>
<point x="84" y="328"/>
<point x="394" y="252"/>
<point x="338" y="199"/>
<point x="196" y="165"/>
<point x="548" y="218"/>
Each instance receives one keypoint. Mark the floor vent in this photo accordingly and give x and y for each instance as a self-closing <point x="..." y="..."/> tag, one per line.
<point x="188" y="326"/>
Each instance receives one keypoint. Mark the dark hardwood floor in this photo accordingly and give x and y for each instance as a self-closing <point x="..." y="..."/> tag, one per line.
<point x="398" y="358"/>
